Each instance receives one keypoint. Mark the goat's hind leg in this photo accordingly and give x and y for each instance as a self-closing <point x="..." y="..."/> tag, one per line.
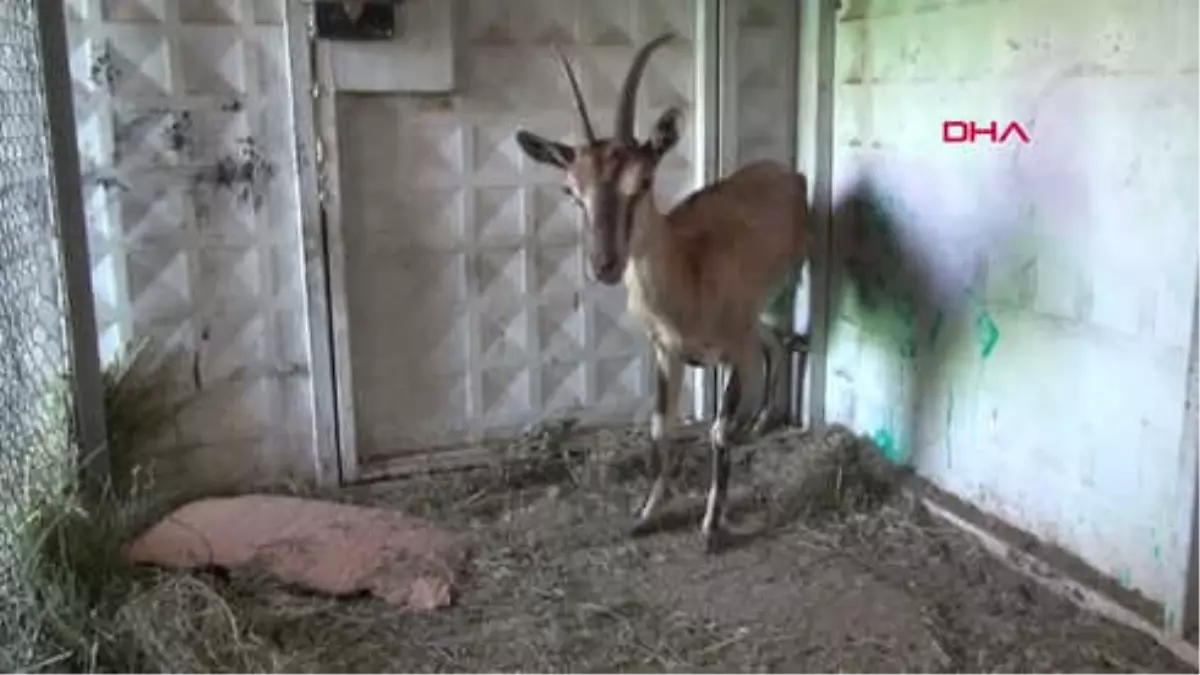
<point x="738" y="404"/>
<point x="668" y="378"/>
<point x="774" y="413"/>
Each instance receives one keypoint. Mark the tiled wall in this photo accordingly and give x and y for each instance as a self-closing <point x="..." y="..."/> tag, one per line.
<point x="1014" y="320"/>
<point x="184" y="123"/>
<point x="469" y="310"/>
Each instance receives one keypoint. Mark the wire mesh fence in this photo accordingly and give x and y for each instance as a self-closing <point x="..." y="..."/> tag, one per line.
<point x="35" y="442"/>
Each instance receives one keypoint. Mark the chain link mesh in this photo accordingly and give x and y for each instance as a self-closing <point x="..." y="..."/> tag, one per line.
<point x="35" y="445"/>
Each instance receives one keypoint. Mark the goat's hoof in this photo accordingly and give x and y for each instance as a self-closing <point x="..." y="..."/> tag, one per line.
<point x="714" y="540"/>
<point x="767" y="422"/>
<point x="640" y="527"/>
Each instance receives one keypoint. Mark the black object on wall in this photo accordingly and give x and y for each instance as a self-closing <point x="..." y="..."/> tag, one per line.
<point x="356" y="20"/>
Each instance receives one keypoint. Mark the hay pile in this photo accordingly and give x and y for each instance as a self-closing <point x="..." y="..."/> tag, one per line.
<point x="833" y="569"/>
<point x="70" y="602"/>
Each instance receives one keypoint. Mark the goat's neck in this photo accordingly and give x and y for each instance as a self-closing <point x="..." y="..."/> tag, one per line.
<point x="647" y="245"/>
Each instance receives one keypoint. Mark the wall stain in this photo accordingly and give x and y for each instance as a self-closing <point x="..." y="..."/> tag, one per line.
<point x="247" y="173"/>
<point x="104" y="70"/>
<point x="949" y="426"/>
<point x="935" y="329"/>
<point x="179" y="132"/>
<point x="886" y="441"/>
<point x="130" y="130"/>
<point x="1125" y="578"/>
<point x="908" y="329"/>
<point x="987" y="334"/>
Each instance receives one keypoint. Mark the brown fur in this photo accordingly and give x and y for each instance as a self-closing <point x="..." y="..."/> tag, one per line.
<point x="698" y="276"/>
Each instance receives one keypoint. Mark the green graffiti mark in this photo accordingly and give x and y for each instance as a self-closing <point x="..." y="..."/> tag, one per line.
<point x="949" y="423"/>
<point x="1157" y="552"/>
<point x="907" y="330"/>
<point x="1125" y="578"/>
<point x="986" y="333"/>
<point x="936" y="329"/>
<point x="887" y="445"/>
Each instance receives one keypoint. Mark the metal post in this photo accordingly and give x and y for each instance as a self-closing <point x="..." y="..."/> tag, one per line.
<point x="327" y="448"/>
<point x="1179" y="609"/>
<point x="815" y="157"/>
<point x="709" y="21"/>
<point x="87" y="387"/>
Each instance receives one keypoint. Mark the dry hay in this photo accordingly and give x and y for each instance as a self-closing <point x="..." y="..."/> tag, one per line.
<point x="833" y="571"/>
<point x="70" y="603"/>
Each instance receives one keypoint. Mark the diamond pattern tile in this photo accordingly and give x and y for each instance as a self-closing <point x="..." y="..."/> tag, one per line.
<point x="132" y="63"/>
<point x="143" y="139"/>
<point x="555" y="219"/>
<point x="268" y="12"/>
<point x="557" y="267"/>
<point x="209" y="11"/>
<point x="608" y="24"/>
<point x="434" y="149"/>
<point x="620" y="380"/>
<point x="433" y="217"/>
<point x="563" y="387"/>
<point x="232" y="341"/>
<point x="190" y="212"/>
<point x="759" y="110"/>
<point x="158" y="281"/>
<point x="538" y="339"/>
<point x="503" y="335"/>
<point x="498" y="276"/>
<point x="498" y="216"/>
<point x="148" y="218"/>
<point x="494" y="24"/>
<point x="505" y="392"/>
<point x="497" y="158"/>
<point x="213" y="61"/>
<point x="562" y="328"/>
<point x="126" y="11"/>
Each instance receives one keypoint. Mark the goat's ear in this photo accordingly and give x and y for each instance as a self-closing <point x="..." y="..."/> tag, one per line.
<point x="545" y="151"/>
<point x="666" y="132"/>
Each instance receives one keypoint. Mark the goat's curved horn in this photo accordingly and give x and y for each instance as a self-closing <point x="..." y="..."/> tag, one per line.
<point x="625" y="106"/>
<point x="579" y="104"/>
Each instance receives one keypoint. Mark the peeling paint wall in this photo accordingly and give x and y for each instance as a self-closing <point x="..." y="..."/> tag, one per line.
<point x="184" y="120"/>
<point x="1014" y="320"/>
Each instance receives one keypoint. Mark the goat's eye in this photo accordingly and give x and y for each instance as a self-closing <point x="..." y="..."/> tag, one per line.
<point x="566" y="190"/>
<point x="647" y="183"/>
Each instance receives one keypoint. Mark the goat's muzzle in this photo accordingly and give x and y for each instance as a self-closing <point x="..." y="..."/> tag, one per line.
<point x="608" y="270"/>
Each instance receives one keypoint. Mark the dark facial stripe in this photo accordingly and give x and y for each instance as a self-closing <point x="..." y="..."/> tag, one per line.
<point x="614" y="213"/>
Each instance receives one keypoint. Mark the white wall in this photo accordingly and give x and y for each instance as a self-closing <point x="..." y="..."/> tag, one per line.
<point x="184" y="116"/>
<point x="1017" y="325"/>
<point x="469" y="310"/>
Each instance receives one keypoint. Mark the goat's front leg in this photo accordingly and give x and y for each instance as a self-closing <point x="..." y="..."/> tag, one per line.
<point x="739" y="401"/>
<point x="667" y="381"/>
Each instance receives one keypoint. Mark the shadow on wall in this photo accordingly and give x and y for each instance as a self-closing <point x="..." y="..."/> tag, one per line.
<point x="907" y="319"/>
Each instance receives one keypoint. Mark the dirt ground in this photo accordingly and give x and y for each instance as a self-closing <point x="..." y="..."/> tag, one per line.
<point x="830" y="570"/>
